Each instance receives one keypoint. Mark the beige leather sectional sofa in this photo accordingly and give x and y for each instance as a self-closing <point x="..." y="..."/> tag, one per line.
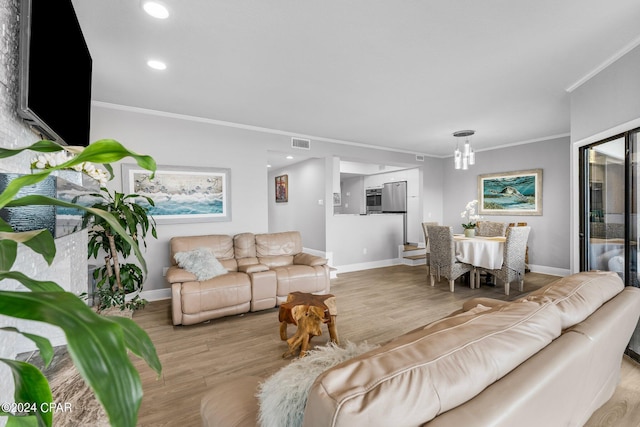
<point x="549" y="359"/>
<point x="262" y="270"/>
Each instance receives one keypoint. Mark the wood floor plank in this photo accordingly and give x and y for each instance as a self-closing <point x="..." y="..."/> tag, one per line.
<point x="374" y="305"/>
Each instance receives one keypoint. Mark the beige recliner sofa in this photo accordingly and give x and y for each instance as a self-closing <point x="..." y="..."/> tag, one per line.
<point x="262" y="270"/>
<point x="548" y="359"/>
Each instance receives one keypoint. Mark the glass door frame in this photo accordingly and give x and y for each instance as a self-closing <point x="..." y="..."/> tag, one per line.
<point x="630" y="137"/>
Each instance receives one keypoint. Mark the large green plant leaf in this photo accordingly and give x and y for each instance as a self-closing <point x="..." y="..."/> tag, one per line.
<point x="31" y="387"/>
<point x="29" y="283"/>
<point x="44" y="345"/>
<point x="103" y="151"/>
<point x="39" y="241"/>
<point x="95" y="343"/>
<point x="8" y="254"/>
<point x="138" y="342"/>
<point x="107" y="216"/>
<point x="42" y="146"/>
<point x="28" y="421"/>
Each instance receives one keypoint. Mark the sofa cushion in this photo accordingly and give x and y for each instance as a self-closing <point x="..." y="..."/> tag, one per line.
<point x="228" y="290"/>
<point x="302" y="278"/>
<point x="426" y="372"/>
<point x="308" y="259"/>
<point x="580" y="294"/>
<point x="287" y="243"/>
<point x="244" y="245"/>
<point x="220" y="244"/>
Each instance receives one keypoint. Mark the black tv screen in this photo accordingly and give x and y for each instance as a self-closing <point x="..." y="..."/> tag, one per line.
<point x="55" y="72"/>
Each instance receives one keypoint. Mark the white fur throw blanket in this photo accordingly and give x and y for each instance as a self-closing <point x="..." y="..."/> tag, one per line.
<point x="283" y="396"/>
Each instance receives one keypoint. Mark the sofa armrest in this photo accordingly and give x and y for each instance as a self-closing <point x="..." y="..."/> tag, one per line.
<point x="308" y="259"/>
<point x="176" y="303"/>
<point x="176" y="274"/>
<point x="252" y="268"/>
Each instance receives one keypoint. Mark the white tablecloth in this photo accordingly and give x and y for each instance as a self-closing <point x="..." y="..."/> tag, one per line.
<point x="483" y="252"/>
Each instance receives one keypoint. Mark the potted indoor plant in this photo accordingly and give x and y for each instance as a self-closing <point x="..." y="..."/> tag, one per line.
<point x="469" y="214"/>
<point x="118" y="284"/>
<point x="98" y="345"/>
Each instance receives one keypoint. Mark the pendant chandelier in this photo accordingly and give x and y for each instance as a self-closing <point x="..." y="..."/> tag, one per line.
<point x="465" y="157"/>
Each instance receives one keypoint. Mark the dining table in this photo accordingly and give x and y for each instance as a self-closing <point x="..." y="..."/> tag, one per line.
<point x="480" y="251"/>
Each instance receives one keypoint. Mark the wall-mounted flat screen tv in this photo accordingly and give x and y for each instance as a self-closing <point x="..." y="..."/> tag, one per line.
<point x="55" y="72"/>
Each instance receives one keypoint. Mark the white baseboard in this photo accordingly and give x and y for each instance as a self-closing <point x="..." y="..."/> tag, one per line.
<point x="156" y="294"/>
<point x="368" y="265"/>
<point x="554" y="271"/>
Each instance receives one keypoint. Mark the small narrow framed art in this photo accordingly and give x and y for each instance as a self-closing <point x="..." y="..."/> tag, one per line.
<point x="510" y="193"/>
<point x="282" y="188"/>
<point x="181" y="194"/>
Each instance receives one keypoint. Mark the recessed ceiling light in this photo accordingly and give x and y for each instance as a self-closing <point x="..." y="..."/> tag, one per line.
<point x="156" y="65"/>
<point x="155" y="9"/>
<point x="289" y="157"/>
<point x="268" y="166"/>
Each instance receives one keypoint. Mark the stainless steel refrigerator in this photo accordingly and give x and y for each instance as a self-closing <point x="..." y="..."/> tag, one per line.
<point x="394" y="200"/>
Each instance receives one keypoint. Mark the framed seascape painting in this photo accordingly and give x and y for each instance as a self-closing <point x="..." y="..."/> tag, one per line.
<point x="282" y="188"/>
<point x="510" y="193"/>
<point x="181" y="194"/>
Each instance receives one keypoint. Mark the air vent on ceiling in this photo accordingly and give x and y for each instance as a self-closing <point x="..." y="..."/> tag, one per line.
<point x="303" y="144"/>
<point x="419" y="158"/>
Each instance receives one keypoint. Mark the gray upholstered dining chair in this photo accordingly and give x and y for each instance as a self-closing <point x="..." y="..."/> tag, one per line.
<point x="426" y="243"/>
<point x="443" y="260"/>
<point x="513" y="264"/>
<point x="491" y="228"/>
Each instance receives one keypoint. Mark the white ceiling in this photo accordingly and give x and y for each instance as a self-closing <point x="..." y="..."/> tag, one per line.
<point x="404" y="74"/>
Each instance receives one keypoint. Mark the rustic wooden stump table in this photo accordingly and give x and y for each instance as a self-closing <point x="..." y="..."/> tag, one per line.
<point x="308" y="312"/>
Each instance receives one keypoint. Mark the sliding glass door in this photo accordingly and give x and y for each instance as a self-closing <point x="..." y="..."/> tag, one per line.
<point x="604" y="216"/>
<point x="609" y="205"/>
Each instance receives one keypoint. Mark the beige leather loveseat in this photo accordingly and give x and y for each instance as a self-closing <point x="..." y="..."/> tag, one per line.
<point x="548" y="359"/>
<point x="262" y="269"/>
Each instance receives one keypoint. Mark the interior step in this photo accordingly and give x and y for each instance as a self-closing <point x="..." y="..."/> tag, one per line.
<point x="412" y="254"/>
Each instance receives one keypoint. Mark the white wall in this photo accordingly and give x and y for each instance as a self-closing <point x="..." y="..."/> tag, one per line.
<point x="353" y="197"/>
<point x="188" y="141"/>
<point x="610" y="98"/>
<point x="549" y="239"/>
<point x="303" y="211"/>
<point x="364" y="241"/>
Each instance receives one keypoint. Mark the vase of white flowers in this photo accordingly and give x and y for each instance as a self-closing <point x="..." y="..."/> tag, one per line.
<point x="469" y="214"/>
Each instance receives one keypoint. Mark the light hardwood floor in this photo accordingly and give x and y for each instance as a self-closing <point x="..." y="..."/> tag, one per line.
<point x="373" y="305"/>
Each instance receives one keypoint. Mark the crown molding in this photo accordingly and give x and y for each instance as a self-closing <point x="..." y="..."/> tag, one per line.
<point x="622" y="52"/>
<point x="249" y="127"/>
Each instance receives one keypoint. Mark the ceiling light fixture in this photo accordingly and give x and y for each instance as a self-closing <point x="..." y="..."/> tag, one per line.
<point x="462" y="159"/>
<point x="156" y="9"/>
<point x="156" y="65"/>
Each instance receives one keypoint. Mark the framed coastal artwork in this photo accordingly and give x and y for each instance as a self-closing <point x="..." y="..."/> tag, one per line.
<point x="181" y="194"/>
<point x="282" y="188"/>
<point x="510" y="193"/>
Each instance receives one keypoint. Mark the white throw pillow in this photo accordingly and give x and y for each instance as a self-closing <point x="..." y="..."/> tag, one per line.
<point x="201" y="263"/>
